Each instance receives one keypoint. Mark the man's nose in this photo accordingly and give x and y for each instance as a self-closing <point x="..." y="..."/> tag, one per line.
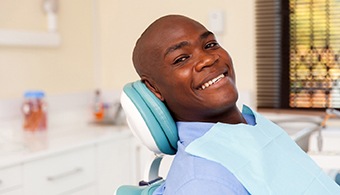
<point x="205" y="59"/>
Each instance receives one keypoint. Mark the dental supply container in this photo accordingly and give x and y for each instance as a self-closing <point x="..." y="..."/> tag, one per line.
<point x="34" y="109"/>
<point x="98" y="108"/>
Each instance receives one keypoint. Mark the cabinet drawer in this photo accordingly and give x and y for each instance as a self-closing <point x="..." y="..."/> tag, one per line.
<point x="60" y="173"/>
<point x="10" y="177"/>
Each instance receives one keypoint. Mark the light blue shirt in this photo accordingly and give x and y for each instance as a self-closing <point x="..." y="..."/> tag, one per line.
<point x="194" y="175"/>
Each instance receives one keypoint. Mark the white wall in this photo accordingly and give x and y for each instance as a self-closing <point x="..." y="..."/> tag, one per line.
<point x="67" y="68"/>
<point x="98" y="37"/>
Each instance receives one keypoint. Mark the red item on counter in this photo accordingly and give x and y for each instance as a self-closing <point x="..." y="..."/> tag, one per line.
<point x="34" y="111"/>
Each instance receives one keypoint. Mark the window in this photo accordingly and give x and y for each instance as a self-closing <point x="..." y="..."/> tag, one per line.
<point x="297" y="57"/>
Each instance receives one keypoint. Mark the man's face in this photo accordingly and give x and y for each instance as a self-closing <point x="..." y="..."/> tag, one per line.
<point x="195" y="76"/>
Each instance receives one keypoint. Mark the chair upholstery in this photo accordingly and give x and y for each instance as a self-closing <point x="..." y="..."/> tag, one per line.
<point x="138" y="190"/>
<point x="151" y="122"/>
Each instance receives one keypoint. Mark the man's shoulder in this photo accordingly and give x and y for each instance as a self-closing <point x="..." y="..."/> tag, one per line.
<point x="197" y="167"/>
<point x="188" y="171"/>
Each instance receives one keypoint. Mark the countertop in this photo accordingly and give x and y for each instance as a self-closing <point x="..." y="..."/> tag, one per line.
<point x="66" y="131"/>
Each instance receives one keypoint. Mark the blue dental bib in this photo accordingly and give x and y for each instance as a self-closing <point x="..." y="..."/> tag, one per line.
<point x="263" y="158"/>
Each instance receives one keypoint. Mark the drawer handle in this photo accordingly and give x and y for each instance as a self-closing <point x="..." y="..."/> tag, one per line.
<point x="65" y="174"/>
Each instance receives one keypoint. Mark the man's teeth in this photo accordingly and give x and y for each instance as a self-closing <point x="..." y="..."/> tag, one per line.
<point x="212" y="81"/>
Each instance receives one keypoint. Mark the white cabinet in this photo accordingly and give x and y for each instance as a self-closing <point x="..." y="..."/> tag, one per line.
<point x="114" y="165"/>
<point x="60" y="173"/>
<point x="12" y="192"/>
<point x="11" y="180"/>
<point x="92" y="162"/>
<point x="97" y="169"/>
<point x="88" y="190"/>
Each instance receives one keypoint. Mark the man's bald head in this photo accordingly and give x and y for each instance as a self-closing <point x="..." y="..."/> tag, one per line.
<point x="147" y="54"/>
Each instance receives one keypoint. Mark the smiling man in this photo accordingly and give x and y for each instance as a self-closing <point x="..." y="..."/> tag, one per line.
<point x="181" y="62"/>
<point x="220" y="149"/>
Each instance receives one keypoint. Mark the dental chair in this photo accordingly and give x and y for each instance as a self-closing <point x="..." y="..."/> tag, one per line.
<point x="151" y="122"/>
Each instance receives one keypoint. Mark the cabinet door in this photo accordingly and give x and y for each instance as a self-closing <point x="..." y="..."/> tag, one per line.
<point x="60" y="173"/>
<point x="12" y="192"/>
<point x="88" y="190"/>
<point x="10" y="179"/>
<point x="114" y="165"/>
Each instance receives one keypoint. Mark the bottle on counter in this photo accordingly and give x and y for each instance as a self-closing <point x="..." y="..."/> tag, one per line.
<point x="34" y="111"/>
<point x="98" y="108"/>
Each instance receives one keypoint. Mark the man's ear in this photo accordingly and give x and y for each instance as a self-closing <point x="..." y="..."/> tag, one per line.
<point x="153" y="89"/>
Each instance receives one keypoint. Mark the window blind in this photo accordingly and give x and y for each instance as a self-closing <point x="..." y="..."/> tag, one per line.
<point x="268" y="53"/>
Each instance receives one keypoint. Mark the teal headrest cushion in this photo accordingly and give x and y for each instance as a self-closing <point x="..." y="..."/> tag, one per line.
<point x="149" y="118"/>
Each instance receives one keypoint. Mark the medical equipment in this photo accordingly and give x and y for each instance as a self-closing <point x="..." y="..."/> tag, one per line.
<point x="152" y="123"/>
<point x="324" y="145"/>
<point x="330" y="113"/>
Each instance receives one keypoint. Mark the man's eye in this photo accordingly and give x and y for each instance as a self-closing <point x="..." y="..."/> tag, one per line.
<point x="181" y="59"/>
<point x="211" y="45"/>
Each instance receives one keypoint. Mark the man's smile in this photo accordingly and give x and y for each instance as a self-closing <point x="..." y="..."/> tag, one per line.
<point x="212" y="81"/>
